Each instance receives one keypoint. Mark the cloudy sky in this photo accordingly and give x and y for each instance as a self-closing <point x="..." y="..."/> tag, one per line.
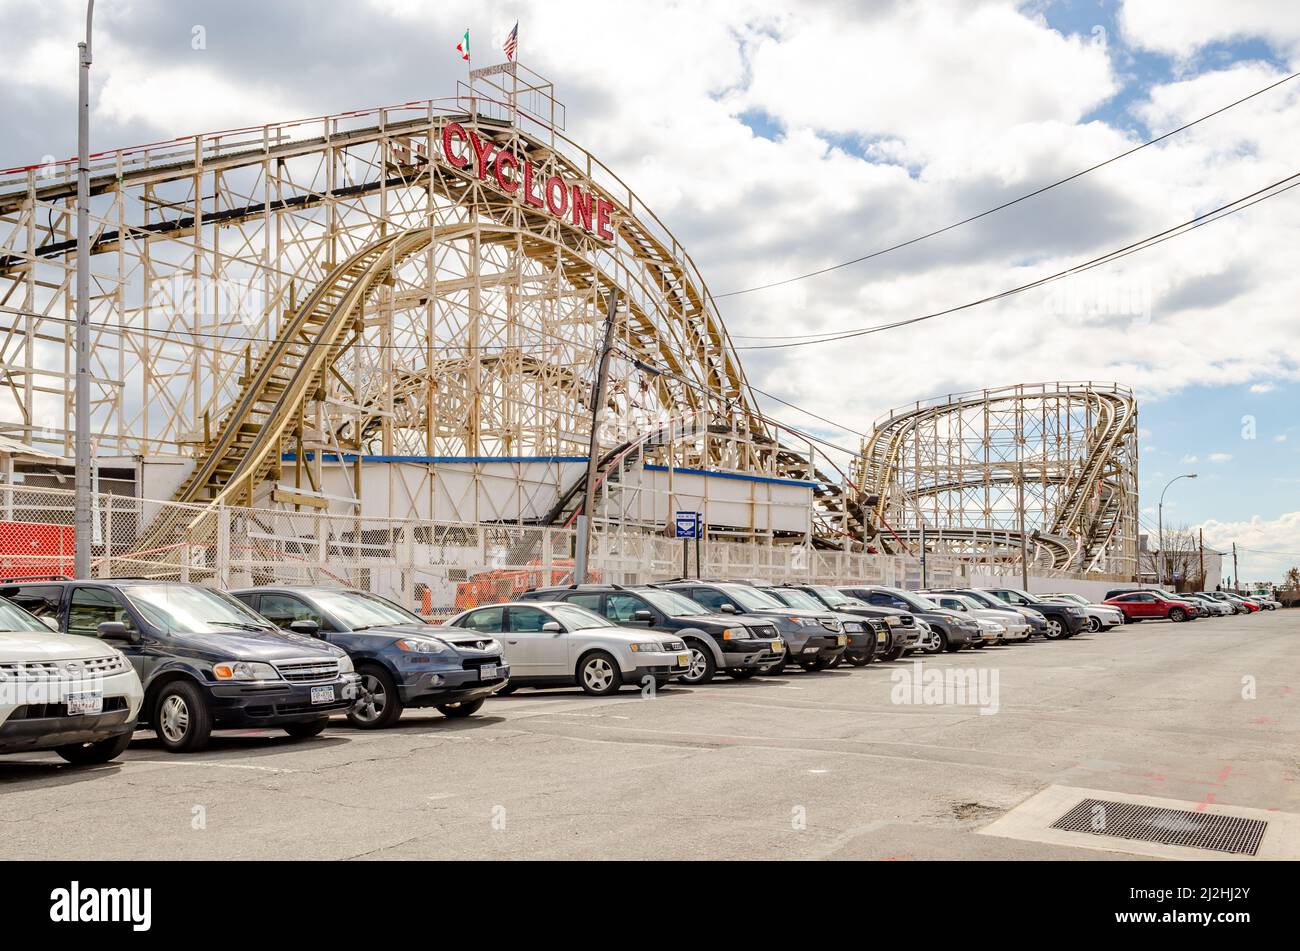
<point x="779" y="138"/>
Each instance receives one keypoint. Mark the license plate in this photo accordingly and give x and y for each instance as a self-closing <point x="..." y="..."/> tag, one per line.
<point x="322" y="694"/>
<point x="841" y="640"/>
<point x="683" y="660"/>
<point x="810" y="650"/>
<point x="880" y="637"/>
<point x="81" y="704"/>
<point x="778" y="646"/>
<point x="487" y="672"/>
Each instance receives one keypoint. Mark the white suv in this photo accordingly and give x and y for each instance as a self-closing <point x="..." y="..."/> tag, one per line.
<point x="554" y="644"/>
<point x="77" y="696"/>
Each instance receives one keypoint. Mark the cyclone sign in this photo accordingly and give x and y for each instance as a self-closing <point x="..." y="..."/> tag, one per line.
<point x="517" y="177"/>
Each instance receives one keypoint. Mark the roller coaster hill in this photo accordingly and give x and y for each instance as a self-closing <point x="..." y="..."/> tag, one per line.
<point x="341" y="325"/>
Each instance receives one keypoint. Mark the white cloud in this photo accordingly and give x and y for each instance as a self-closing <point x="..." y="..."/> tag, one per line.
<point x="1182" y="27"/>
<point x="1219" y="457"/>
<point x="1262" y="387"/>
<point x="1266" y="548"/>
<point x="1281" y="437"/>
<point x="1188" y="459"/>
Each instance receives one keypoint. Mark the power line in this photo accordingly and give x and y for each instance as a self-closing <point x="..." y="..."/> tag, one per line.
<point x="1239" y="204"/>
<point x="1014" y="201"/>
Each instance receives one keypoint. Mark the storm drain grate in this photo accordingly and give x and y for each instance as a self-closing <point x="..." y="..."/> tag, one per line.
<point x="1193" y="830"/>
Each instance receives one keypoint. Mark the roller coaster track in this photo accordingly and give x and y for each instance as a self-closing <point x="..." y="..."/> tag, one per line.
<point x="1080" y="465"/>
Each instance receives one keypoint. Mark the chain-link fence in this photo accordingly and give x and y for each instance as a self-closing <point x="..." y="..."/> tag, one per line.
<point x="435" y="568"/>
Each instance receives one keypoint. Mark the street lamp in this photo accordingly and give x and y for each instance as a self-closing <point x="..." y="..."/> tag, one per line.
<point x="81" y="508"/>
<point x="1160" y="524"/>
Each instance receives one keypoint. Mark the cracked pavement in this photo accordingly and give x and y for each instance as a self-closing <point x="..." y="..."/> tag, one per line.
<point x="800" y="766"/>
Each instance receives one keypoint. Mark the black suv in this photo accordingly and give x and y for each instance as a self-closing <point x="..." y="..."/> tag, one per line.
<point x="205" y="660"/>
<point x="813" y="639"/>
<point x="901" y="631"/>
<point x="739" y="646"/>
<point x="1063" y="620"/>
<point x="862" y="632"/>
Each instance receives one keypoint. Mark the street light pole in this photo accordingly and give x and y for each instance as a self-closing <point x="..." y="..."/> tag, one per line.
<point x="597" y="403"/>
<point x="1162" y="563"/>
<point x="81" y="517"/>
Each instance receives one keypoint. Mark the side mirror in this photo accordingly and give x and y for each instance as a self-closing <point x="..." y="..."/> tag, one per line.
<point x="552" y="627"/>
<point x="644" y="616"/>
<point x="310" y="628"/>
<point x="117" y="631"/>
<point x="727" y="608"/>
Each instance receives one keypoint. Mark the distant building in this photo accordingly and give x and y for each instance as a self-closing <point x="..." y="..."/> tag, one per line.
<point x="1194" y="569"/>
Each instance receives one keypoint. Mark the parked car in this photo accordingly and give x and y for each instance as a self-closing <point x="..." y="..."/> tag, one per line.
<point x="1261" y="602"/>
<point x="553" y="644"/>
<point x="1241" y="604"/>
<point x="1100" y="617"/>
<point x="1149" y="605"/>
<point x="1212" y="607"/>
<point x="402" y="660"/>
<point x="77" y="696"/>
<point x="901" y="630"/>
<point x="205" y="660"/>
<point x="953" y="629"/>
<point x="860" y="632"/>
<point x="1063" y="620"/>
<point x="741" y="647"/>
<point x="813" y="639"/>
<point x="1037" y="622"/>
<point x="1010" y="626"/>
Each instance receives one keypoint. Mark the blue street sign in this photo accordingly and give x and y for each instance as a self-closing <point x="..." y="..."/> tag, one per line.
<point x="687" y="524"/>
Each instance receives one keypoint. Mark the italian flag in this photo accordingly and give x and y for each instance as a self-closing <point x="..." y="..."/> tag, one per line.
<point x="463" y="47"/>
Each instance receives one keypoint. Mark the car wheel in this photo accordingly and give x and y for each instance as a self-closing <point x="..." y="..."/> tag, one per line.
<point x="1177" y="614"/>
<point x="506" y="691"/>
<point x="181" y="718"/>
<point x="830" y="663"/>
<point x="953" y="648"/>
<point x="778" y="668"/>
<point x="979" y="645"/>
<point x="462" y="708"/>
<point x="1094" y="624"/>
<point x="859" y="658"/>
<point x="91" y="754"/>
<point x="743" y="673"/>
<point x="938" y="643"/>
<point x="1054" y="629"/>
<point x="598" y="674"/>
<point x="894" y="653"/>
<point x="303" y="731"/>
<point x="378" y="703"/>
<point x="810" y="666"/>
<point x="700" y="669"/>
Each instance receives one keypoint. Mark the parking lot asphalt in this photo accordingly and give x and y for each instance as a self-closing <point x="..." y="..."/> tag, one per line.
<point x="823" y="765"/>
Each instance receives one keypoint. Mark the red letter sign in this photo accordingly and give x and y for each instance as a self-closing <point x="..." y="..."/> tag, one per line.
<point x="448" y="131"/>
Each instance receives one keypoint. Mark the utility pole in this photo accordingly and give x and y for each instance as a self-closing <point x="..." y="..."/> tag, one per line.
<point x="1160" y="528"/>
<point x="597" y="405"/>
<point x="1024" y="542"/>
<point x="1236" y="578"/>
<point x="81" y="516"/>
<point x="925" y="581"/>
<point x="1200" y="549"/>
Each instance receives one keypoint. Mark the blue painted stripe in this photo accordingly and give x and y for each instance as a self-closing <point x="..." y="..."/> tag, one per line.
<point x="352" y="457"/>
<point x="734" y="475"/>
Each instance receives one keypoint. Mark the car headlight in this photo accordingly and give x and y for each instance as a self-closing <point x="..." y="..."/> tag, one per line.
<point x="345" y="665"/>
<point x="893" y="620"/>
<point x="804" y="621"/>
<point x="1077" y="612"/>
<point x="244" y="670"/>
<point x="736" y="634"/>
<point x="644" y="646"/>
<point x="420" y="645"/>
<point x="852" y="627"/>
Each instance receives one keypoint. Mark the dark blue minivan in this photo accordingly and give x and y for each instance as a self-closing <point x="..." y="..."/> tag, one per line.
<point x="403" y="660"/>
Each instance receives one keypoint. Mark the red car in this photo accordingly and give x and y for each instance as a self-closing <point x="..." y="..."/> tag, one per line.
<point x="1146" y="605"/>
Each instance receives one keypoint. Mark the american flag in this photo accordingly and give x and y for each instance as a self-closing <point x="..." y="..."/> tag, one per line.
<point x="512" y="43"/>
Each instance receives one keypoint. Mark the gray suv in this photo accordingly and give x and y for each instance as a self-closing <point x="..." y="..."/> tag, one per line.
<point x="953" y="629"/>
<point x="813" y="639"/>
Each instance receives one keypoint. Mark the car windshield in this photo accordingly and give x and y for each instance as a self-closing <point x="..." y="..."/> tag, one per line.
<point x="796" y="598"/>
<point x="357" y="611"/>
<point x="193" y="609"/>
<point x="673" y="604"/>
<point x="14" y="620"/>
<point x="986" y="600"/>
<point x="917" y="602"/>
<point x="751" y="599"/>
<point x="971" y="603"/>
<point x="836" y="599"/>
<point x="579" y="619"/>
